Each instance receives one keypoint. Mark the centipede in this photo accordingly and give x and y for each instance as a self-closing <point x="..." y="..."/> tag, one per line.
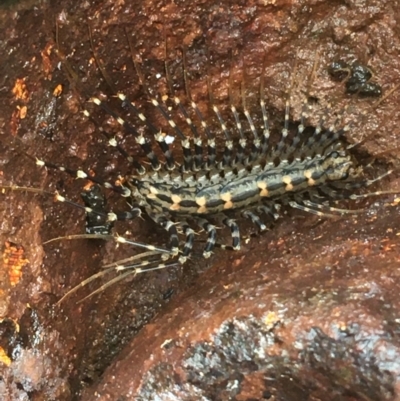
<point x="198" y="170"/>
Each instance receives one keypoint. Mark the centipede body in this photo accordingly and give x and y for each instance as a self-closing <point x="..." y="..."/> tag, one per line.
<point x="227" y="161"/>
<point x="210" y="174"/>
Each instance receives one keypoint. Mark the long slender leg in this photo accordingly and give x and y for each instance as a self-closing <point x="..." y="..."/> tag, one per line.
<point x="228" y="150"/>
<point x="266" y="130"/>
<point x="120" y="189"/>
<point x="211" y="144"/>
<point x="297" y="205"/>
<point x="256" y="144"/>
<point x="147" y="261"/>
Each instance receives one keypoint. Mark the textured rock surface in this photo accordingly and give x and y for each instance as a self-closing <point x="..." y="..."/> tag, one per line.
<point x="309" y="310"/>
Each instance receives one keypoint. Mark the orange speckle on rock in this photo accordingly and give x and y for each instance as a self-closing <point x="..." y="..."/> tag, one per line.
<point x="13" y="259"/>
<point x="22" y="112"/>
<point x="57" y="90"/>
<point x="19" y="90"/>
<point x="4" y="358"/>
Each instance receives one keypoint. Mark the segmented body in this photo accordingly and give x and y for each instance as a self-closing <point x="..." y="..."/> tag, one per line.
<point x="195" y="184"/>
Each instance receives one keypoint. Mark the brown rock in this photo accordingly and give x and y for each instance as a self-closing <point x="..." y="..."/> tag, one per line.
<point x="309" y="313"/>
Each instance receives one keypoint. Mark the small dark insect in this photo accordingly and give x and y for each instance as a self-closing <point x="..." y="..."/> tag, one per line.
<point x="187" y="181"/>
<point x="357" y="78"/>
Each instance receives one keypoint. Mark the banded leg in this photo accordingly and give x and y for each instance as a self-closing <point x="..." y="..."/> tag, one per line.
<point x="331" y="209"/>
<point x="235" y="233"/>
<point x="211" y="144"/>
<point x="270" y="210"/>
<point x="242" y="143"/>
<point x="170" y="227"/>
<point x="120" y="189"/>
<point x="111" y="216"/>
<point x="255" y="219"/>
<point x="299" y="206"/>
<point x="72" y="78"/>
<point x="228" y="150"/>
<point x="187" y="248"/>
<point x="266" y="131"/>
<point x="256" y="144"/>
<point x="211" y="231"/>
<point x="280" y="147"/>
<point x="160" y="139"/>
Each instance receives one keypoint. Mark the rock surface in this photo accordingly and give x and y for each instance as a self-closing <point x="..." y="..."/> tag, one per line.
<point x="309" y="310"/>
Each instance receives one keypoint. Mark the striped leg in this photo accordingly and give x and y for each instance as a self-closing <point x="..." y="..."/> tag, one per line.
<point x="170" y="227"/>
<point x="235" y="232"/>
<point x="187" y="248"/>
<point x="255" y="219"/>
<point x="120" y="189"/>
<point x="211" y="231"/>
<point x="211" y="144"/>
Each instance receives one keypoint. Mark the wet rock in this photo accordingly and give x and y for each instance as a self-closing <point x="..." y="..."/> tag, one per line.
<point x="304" y="315"/>
<point x="307" y="310"/>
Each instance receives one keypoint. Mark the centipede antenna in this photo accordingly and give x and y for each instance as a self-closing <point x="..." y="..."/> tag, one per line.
<point x="84" y="283"/>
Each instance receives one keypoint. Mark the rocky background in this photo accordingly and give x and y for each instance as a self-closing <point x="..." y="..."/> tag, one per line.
<point x="306" y="311"/>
